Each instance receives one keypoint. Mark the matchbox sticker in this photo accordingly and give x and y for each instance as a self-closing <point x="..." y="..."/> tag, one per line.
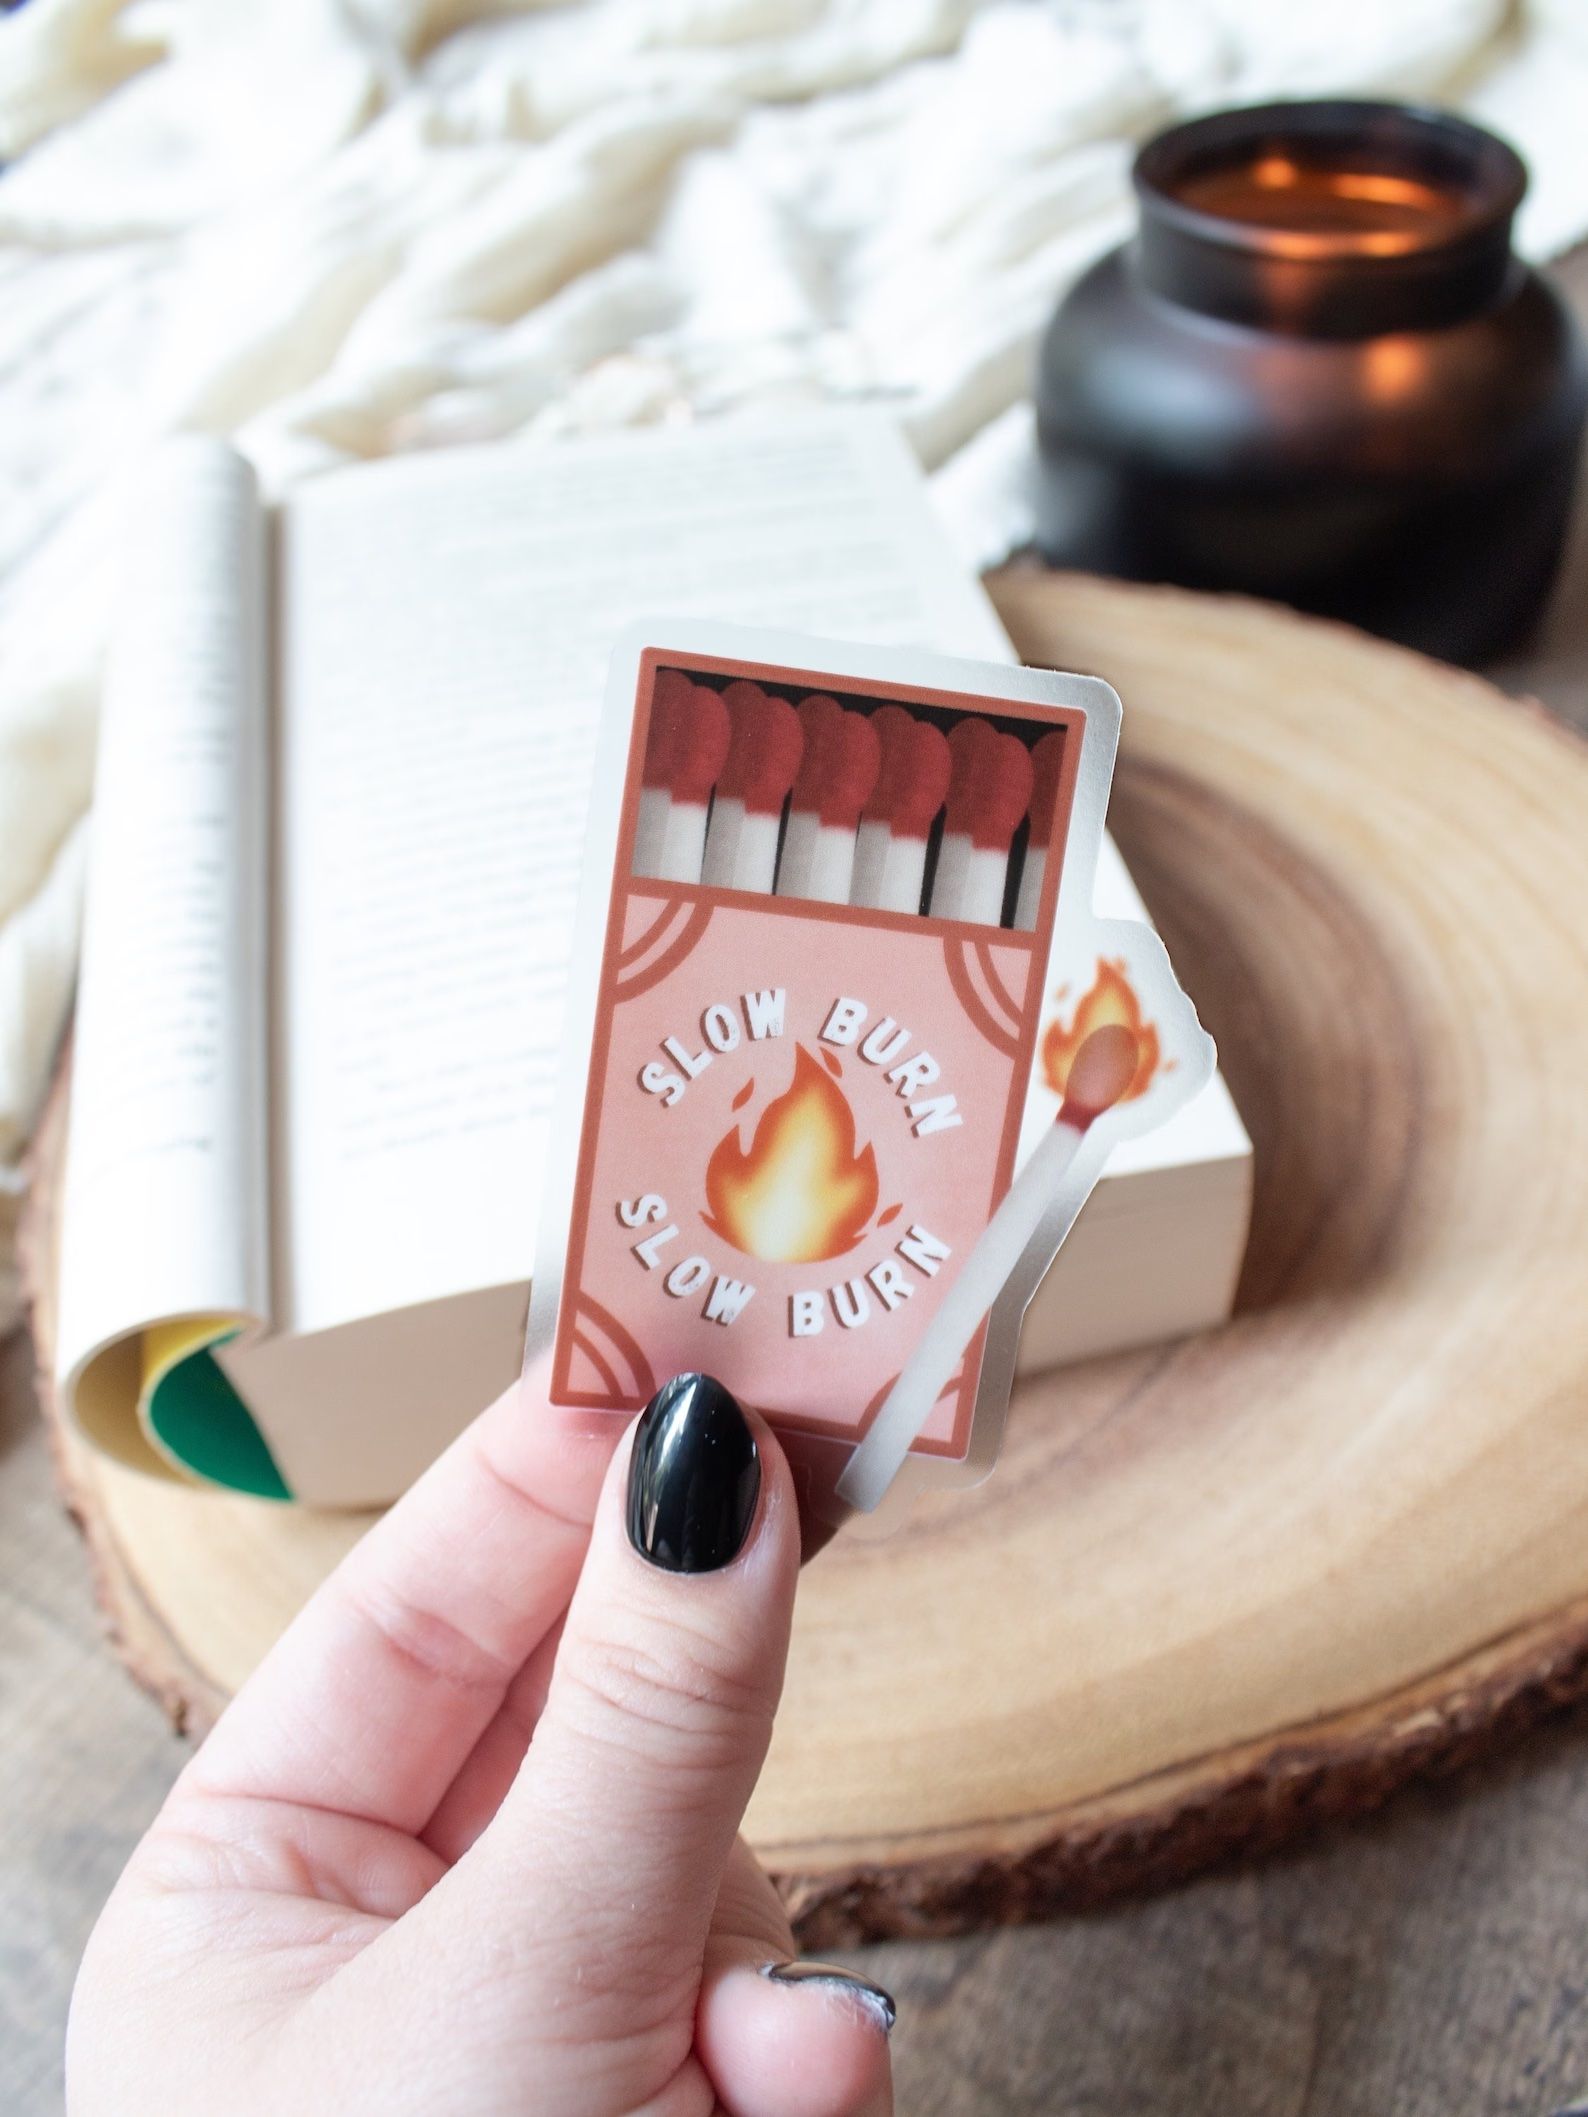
<point x="782" y="1164"/>
<point x="831" y="1005"/>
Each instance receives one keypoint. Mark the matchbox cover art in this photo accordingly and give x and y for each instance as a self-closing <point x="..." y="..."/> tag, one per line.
<point x="820" y="1027"/>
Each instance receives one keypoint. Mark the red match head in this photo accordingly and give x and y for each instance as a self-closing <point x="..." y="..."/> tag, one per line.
<point x="912" y="780"/>
<point x="989" y="790"/>
<point x="668" y="703"/>
<point x="1047" y="761"/>
<point x="764" y="745"/>
<point x="1100" y="1073"/>
<point x="702" y="744"/>
<point x="838" y="766"/>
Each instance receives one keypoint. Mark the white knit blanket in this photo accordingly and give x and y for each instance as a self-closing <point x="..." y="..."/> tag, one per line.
<point x="337" y="228"/>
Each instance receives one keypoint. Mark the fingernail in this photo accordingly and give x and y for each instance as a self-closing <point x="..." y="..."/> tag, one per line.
<point x="694" y="1477"/>
<point x="870" y="1998"/>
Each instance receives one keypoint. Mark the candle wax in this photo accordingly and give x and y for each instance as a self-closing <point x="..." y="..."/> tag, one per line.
<point x="1276" y="192"/>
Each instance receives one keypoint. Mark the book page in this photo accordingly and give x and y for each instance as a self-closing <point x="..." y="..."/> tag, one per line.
<point x="166" y="1198"/>
<point x="445" y="629"/>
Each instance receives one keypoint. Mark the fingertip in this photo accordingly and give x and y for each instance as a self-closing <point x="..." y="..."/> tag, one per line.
<point x="797" y="2040"/>
<point x="778" y="1510"/>
<point x="703" y="1487"/>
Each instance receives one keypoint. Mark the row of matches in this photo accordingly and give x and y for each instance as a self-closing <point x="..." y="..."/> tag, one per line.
<point x="864" y="792"/>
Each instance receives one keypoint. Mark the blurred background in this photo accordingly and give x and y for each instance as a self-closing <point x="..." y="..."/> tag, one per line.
<point x="338" y="231"/>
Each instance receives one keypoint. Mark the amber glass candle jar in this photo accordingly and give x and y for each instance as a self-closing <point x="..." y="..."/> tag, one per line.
<point x="1320" y="373"/>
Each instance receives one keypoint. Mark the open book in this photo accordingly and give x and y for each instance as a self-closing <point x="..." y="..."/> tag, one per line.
<point x="344" y="768"/>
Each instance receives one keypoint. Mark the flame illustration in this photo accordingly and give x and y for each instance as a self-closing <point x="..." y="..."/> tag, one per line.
<point x="1111" y="999"/>
<point x="800" y="1191"/>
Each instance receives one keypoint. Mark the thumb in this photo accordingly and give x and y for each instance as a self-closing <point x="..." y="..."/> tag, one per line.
<point x="620" y="1824"/>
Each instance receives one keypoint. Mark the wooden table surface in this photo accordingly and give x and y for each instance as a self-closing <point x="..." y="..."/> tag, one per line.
<point x="1432" y="1962"/>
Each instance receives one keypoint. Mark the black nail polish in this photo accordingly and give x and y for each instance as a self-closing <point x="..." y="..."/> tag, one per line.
<point x="694" y="1477"/>
<point x="869" y="1997"/>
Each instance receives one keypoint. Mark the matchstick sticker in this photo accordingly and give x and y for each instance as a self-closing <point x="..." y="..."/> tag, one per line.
<point x="839" y="761"/>
<point x="684" y="759"/>
<point x="828" y="1096"/>
<point x="1047" y="762"/>
<point x="765" y="742"/>
<point x="1104" y="1068"/>
<point x="911" y="786"/>
<point x="989" y="792"/>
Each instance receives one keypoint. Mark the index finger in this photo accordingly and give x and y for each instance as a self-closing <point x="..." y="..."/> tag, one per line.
<point x="372" y="1699"/>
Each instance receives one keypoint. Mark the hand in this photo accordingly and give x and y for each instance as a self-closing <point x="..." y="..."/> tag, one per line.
<point x="467" y="1840"/>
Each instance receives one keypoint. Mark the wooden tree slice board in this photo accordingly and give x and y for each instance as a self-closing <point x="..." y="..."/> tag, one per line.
<point x="1218" y="1589"/>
